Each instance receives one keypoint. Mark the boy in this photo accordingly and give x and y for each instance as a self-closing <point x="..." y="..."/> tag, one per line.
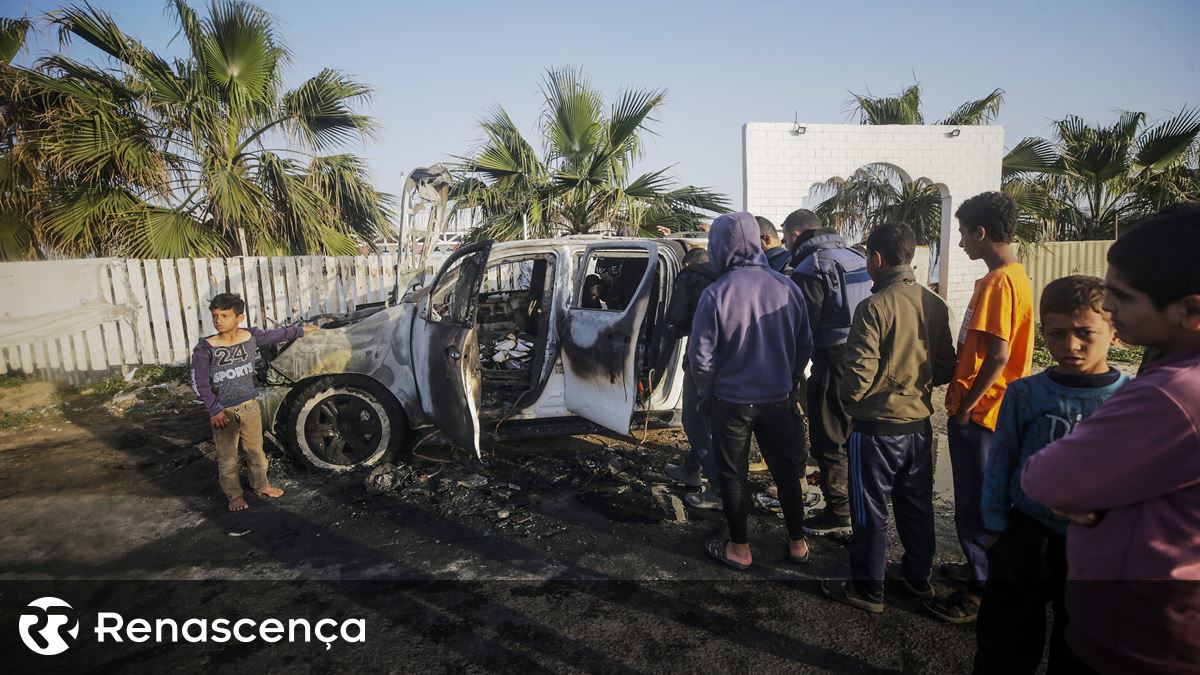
<point x="899" y="349"/>
<point x="696" y="275"/>
<point x="1128" y="477"/>
<point x="1027" y="563"/>
<point x="995" y="347"/>
<point x="223" y="377"/>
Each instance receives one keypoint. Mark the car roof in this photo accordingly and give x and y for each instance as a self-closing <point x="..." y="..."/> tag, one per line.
<point x="582" y="241"/>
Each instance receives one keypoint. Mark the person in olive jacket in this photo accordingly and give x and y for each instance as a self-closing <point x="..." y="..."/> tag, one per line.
<point x="900" y="347"/>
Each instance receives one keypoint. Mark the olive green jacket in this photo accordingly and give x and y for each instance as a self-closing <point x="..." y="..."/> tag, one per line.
<point x="900" y="348"/>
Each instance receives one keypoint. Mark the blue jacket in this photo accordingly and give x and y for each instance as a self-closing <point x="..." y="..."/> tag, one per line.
<point x="834" y="279"/>
<point x="750" y="339"/>
<point x="1036" y="411"/>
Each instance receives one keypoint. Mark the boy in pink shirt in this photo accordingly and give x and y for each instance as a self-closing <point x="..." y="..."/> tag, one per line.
<point x="1128" y="477"/>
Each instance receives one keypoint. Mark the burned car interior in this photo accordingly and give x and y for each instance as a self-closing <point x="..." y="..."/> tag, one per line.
<point x="513" y="320"/>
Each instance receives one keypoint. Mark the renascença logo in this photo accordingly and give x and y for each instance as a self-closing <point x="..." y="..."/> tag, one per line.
<point x="42" y="628"/>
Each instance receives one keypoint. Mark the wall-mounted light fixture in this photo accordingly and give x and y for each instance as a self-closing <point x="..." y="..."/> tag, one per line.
<point x="955" y="133"/>
<point x="796" y="128"/>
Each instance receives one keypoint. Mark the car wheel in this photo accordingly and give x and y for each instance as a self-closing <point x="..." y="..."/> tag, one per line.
<point x="339" y="426"/>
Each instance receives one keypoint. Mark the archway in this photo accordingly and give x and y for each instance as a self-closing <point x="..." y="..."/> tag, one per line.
<point x="782" y="161"/>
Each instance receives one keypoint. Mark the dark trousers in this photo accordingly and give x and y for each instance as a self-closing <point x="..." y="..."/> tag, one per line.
<point x="829" y="427"/>
<point x="699" y="435"/>
<point x="772" y="424"/>
<point x="899" y="468"/>
<point x="969" y="449"/>
<point x="1027" y="568"/>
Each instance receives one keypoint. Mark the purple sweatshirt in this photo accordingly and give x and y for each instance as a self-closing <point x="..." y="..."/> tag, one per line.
<point x="1136" y="460"/>
<point x="750" y="339"/>
<point x="224" y="376"/>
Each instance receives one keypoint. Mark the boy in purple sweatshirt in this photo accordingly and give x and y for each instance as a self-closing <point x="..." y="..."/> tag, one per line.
<point x="1128" y="477"/>
<point x="223" y="377"/>
<point x="749" y="346"/>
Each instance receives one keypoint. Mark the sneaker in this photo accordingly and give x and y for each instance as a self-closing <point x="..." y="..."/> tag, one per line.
<point x="682" y="473"/>
<point x="825" y="524"/>
<point x="921" y="589"/>
<point x="956" y="571"/>
<point x="704" y="500"/>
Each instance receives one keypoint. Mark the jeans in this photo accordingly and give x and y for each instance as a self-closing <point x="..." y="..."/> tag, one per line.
<point x="970" y="446"/>
<point x="1027" y="568"/>
<point x="773" y="425"/>
<point x="829" y="427"/>
<point x="699" y="434"/>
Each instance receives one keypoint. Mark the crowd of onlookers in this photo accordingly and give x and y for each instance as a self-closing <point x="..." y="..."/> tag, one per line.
<point x="1076" y="487"/>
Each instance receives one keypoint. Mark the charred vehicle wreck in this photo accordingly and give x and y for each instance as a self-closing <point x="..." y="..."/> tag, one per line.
<point x="507" y="340"/>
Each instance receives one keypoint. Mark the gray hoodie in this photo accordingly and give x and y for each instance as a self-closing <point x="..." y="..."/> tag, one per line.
<point x="750" y="339"/>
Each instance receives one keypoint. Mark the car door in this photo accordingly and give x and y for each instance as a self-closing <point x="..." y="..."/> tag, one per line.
<point x="599" y="344"/>
<point x="446" y="347"/>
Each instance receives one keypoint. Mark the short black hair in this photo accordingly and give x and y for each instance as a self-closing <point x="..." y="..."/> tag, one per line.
<point x="801" y="220"/>
<point x="228" y="301"/>
<point x="1067" y="295"/>
<point x="1158" y="257"/>
<point x="995" y="212"/>
<point x="896" y="242"/>
<point x="695" y="256"/>
<point x="766" y="227"/>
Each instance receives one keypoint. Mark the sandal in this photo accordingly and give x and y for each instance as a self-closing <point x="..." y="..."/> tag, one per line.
<point x="958" y="607"/>
<point x="716" y="550"/>
<point x="839" y="590"/>
<point x="787" y="554"/>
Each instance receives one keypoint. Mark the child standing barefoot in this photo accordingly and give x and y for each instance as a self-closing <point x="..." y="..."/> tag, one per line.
<point x="223" y="377"/>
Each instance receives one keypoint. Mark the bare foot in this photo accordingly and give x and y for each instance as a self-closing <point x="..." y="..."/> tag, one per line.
<point x="271" y="491"/>
<point x="798" y="548"/>
<point x="238" y="504"/>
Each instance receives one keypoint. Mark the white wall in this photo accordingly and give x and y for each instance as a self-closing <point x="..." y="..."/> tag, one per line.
<point x="780" y="168"/>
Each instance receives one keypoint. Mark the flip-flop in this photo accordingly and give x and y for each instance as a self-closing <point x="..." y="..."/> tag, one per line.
<point x="837" y="591"/>
<point x="716" y="550"/>
<point x="787" y="554"/>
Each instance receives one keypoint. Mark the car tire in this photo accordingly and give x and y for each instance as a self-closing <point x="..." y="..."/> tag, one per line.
<point x="340" y="425"/>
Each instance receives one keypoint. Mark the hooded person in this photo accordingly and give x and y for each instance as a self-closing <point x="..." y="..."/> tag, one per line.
<point x="748" y="350"/>
<point x="697" y="273"/>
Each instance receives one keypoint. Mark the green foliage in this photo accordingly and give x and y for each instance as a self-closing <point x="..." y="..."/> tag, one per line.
<point x="202" y="156"/>
<point x="144" y="376"/>
<point x="1090" y="181"/>
<point x="583" y="179"/>
<point x="877" y="193"/>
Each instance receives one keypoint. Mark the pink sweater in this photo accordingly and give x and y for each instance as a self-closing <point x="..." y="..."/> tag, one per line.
<point x="1133" y="597"/>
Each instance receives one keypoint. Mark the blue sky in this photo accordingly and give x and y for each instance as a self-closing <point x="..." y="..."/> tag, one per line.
<point x="436" y="67"/>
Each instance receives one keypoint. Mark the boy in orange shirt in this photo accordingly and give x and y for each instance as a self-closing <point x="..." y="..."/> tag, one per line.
<point x="995" y="347"/>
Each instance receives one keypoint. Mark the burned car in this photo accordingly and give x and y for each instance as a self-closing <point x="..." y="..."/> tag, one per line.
<point x="507" y="340"/>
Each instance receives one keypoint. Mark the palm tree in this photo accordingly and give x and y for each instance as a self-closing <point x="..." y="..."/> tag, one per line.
<point x="878" y="193"/>
<point x="1092" y="180"/>
<point x="583" y="180"/>
<point x="200" y="156"/>
<point x="905" y="108"/>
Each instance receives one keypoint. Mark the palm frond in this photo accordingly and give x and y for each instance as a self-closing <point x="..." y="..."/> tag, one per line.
<point x="319" y="113"/>
<point x="12" y="38"/>
<point x="980" y="111"/>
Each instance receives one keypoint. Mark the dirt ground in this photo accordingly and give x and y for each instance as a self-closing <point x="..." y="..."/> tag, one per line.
<point x="559" y="554"/>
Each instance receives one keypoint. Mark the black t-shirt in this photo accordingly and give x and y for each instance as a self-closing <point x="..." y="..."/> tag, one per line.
<point x="1084" y="381"/>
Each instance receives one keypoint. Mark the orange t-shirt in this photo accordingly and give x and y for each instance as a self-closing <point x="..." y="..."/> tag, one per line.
<point x="1002" y="305"/>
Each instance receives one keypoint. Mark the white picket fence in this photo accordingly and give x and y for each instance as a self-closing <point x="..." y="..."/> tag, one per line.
<point x="171" y="302"/>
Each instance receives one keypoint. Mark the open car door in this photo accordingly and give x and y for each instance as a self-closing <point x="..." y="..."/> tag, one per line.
<point x="600" y="330"/>
<point x="446" y="347"/>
